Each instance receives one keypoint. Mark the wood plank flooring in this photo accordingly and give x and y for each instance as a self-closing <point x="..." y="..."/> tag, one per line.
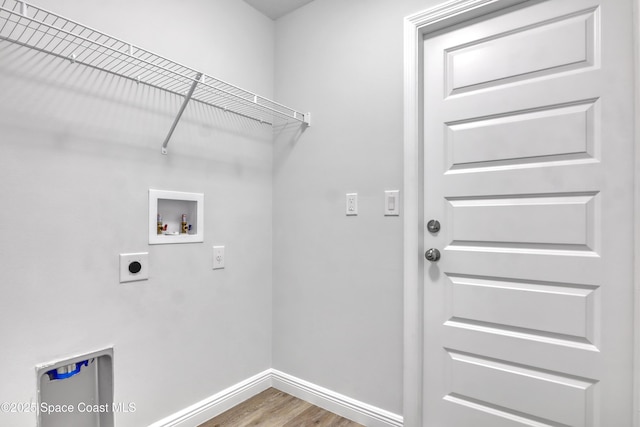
<point x="274" y="408"/>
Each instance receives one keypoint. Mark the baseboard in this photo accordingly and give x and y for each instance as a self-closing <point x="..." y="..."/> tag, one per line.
<point x="347" y="407"/>
<point x="208" y="408"/>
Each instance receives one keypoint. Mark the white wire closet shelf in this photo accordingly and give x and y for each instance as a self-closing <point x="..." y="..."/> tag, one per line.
<point x="28" y="25"/>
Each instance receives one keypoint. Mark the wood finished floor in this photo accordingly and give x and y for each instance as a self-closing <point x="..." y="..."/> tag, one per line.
<point x="274" y="408"/>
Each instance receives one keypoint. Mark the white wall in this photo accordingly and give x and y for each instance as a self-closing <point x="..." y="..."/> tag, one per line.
<point x="338" y="280"/>
<point x="78" y="152"/>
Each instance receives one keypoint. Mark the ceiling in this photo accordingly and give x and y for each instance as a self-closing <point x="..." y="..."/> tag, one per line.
<point x="274" y="9"/>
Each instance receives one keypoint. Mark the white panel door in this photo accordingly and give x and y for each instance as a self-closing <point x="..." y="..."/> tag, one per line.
<point x="528" y="165"/>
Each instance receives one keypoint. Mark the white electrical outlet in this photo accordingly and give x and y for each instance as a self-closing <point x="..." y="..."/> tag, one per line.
<point x="134" y="267"/>
<point x="352" y="204"/>
<point x="218" y="257"/>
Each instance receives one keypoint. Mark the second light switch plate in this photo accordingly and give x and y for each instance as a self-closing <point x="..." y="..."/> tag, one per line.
<point x="392" y="203"/>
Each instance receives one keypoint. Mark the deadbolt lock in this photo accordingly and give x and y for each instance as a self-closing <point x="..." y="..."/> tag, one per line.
<point x="433" y="226"/>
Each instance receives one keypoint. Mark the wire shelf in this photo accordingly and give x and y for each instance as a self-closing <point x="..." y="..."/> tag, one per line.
<point x="27" y="25"/>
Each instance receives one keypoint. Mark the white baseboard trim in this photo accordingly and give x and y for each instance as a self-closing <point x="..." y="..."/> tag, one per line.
<point x="347" y="407"/>
<point x="208" y="408"/>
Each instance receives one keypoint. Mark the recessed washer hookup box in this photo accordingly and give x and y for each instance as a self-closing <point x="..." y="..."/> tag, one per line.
<point x="77" y="392"/>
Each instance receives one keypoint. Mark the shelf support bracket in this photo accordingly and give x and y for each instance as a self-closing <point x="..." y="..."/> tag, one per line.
<point x="187" y="98"/>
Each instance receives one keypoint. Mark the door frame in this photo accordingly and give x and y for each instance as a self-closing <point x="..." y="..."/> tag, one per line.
<point x="416" y="26"/>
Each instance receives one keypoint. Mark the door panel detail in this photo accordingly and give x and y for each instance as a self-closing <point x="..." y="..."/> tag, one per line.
<point x="562" y="44"/>
<point x="564" y="132"/>
<point x="530" y="393"/>
<point x="564" y="311"/>
<point x="554" y="222"/>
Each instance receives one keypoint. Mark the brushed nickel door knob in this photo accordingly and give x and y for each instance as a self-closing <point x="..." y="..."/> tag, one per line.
<point x="432" y="254"/>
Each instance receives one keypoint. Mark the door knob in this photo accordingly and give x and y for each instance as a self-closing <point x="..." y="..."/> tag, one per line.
<point x="432" y="255"/>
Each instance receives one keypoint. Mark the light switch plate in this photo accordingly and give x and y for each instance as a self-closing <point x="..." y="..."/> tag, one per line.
<point x="218" y="257"/>
<point x="134" y="267"/>
<point x="392" y="203"/>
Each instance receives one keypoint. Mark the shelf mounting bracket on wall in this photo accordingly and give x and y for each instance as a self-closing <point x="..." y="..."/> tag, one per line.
<point x="27" y="25"/>
<point x="187" y="98"/>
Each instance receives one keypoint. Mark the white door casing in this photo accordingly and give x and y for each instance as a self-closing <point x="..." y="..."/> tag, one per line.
<point x="528" y="165"/>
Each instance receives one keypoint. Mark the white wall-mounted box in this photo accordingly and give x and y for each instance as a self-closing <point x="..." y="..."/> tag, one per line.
<point x="166" y="209"/>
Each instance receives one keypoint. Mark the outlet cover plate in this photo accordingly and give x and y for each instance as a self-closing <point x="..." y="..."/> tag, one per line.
<point x="352" y="204"/>
<point x="218" y="257"/>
